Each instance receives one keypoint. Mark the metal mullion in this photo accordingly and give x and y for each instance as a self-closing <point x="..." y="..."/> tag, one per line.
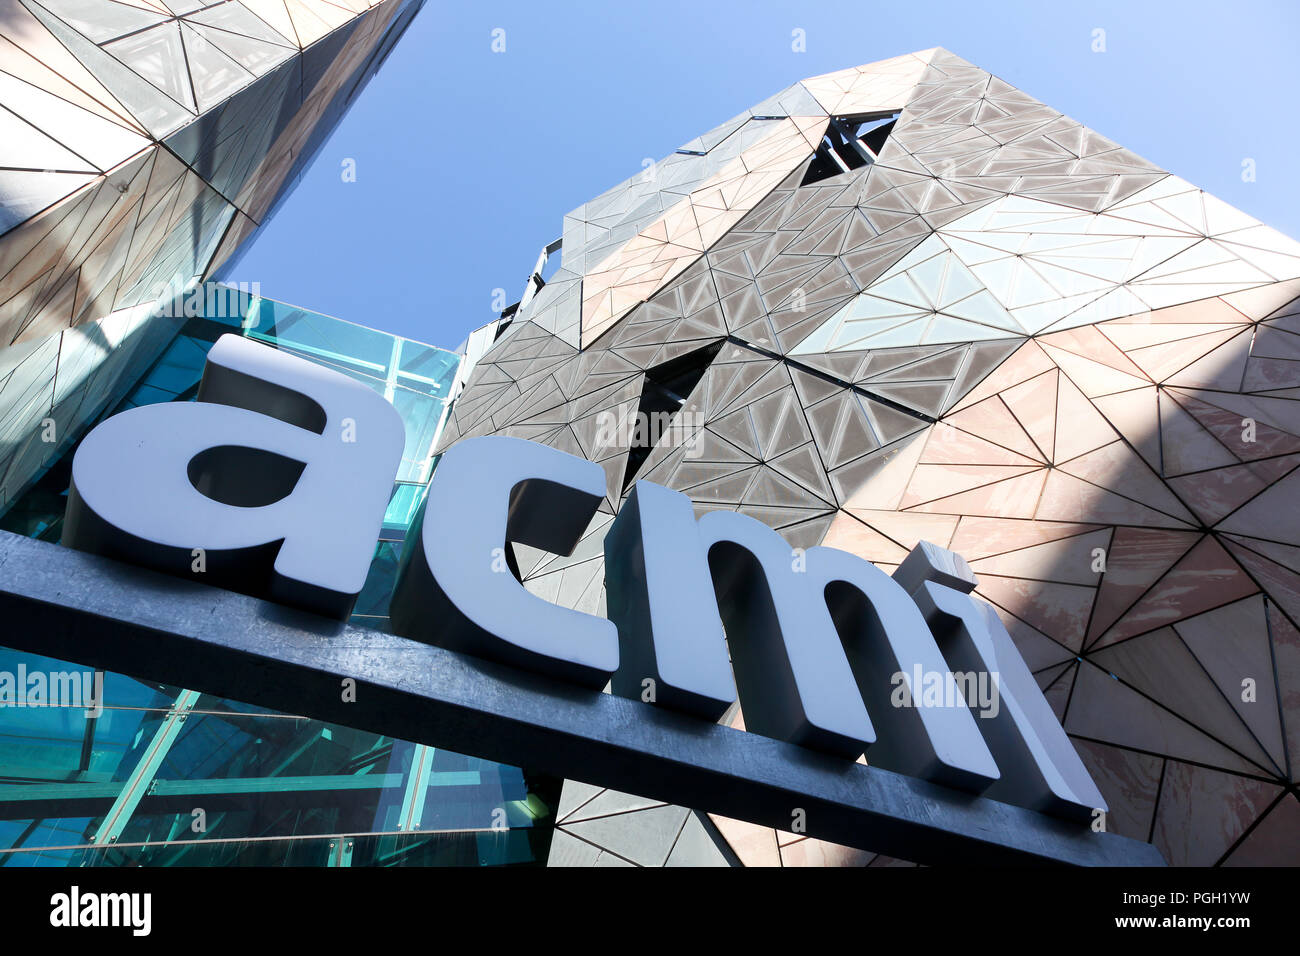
<point x="136" y="785"/>
<point x="417" y="788"/>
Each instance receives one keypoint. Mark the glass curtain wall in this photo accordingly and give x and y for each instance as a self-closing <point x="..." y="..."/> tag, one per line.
<point x="164" y="775"/>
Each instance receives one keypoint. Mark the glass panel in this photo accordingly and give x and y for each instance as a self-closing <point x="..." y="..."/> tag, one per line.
<point x="236" y="784"/>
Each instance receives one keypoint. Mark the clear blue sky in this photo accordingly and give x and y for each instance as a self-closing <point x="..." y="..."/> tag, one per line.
<point x="467" y="160"/>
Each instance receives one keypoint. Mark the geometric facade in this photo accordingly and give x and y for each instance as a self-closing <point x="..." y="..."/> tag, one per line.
<point x="142" y="143"/>
<point x="895" y="303"/>
<point x="909" y="302"/>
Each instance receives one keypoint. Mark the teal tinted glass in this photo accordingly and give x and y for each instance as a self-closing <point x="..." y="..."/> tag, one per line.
<point x="165" y="776"/>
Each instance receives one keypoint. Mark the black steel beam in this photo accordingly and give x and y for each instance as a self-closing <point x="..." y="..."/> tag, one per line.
<point x="106" y="615"/>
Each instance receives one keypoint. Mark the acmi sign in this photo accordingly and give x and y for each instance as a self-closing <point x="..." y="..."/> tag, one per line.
<point x="275" y="482"/>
